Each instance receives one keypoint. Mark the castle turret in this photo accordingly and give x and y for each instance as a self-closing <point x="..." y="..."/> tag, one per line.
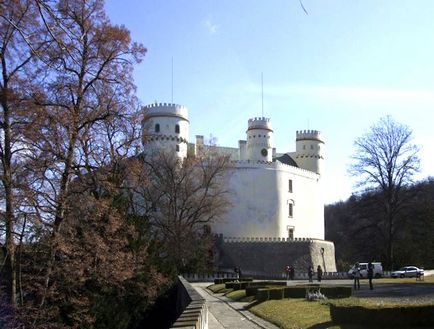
<point x="309" y="153"/>
<point x="165" y="126"/>
<point x="259" y="139"/>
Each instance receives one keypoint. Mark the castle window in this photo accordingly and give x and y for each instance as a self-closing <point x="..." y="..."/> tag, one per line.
<point x="290" y="210"/>
<point x="304" y="147"/>
<point x="177" y="148"/>
<point x="290" y="186"/>
<point x="311" y="147"/>
<point x="291" y="233"/>
<point x="157" y="128"/>
<point x="177" y="129"/>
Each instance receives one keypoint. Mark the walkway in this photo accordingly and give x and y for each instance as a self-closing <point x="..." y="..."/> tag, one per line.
<point x="225" y="313"/>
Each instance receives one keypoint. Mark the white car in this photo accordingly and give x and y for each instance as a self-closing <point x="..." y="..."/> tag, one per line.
<point x="407" y="272"/>
<point x="363" y="267"/>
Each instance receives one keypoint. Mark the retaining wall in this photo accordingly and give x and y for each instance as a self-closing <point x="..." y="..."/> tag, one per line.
<point x="191" y="307"/>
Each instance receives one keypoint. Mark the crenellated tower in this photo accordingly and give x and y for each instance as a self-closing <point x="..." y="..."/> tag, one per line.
<point x="259" y="139"/>
<point x="165" y="126"/>
<point x="309" y="153"/>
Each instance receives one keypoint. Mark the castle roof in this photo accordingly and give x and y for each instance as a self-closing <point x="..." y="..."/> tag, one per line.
<point x="286" y="159"/>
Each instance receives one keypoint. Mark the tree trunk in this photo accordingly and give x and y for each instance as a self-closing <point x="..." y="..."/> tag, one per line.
<point x="9" y="214"/>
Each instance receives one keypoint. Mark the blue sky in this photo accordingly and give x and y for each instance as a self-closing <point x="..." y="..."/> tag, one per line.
<point x="338" y="69"/>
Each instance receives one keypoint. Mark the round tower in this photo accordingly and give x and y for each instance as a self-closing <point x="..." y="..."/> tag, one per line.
<point x="310" y="150"/>
<point x="259" y="140"/>
<point x="165" y="126"/>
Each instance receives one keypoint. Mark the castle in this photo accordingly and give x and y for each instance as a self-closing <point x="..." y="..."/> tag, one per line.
<point x="275" y="196"/>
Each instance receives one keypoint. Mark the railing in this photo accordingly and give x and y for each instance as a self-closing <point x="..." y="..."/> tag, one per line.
<point x="191" y="307"/>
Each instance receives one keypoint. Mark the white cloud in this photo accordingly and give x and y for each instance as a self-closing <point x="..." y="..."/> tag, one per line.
<point x="211" y="27"/>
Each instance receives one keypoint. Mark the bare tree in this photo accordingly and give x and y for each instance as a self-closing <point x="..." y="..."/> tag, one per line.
<point x="90" y="84"/>
<point x="181" y="198"/>
<point x="386" y="160"/>
<point x="23" y="41"/>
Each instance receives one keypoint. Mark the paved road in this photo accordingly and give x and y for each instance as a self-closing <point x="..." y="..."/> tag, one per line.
<point x="224" y="313"/>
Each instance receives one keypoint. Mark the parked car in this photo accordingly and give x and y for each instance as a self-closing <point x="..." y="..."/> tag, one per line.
<point x="378" y="270"/>
<point x="407" y="272"/>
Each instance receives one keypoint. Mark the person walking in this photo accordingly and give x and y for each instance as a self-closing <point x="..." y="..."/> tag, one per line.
<point x="287" y="271"/>
<point x="356" y="275"/>
<point x="319" y="273"/>
<point x="370" y="275"/>
<point x="310" y="273"/>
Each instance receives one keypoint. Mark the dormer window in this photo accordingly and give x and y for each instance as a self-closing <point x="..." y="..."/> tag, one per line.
<point x="177" y="129"/>
<point x="157" y="128"/>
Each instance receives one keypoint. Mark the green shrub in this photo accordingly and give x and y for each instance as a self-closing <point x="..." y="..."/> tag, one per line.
<point x="404" y="316"/>
<point x="251" y="291"/>
<point x="262" y="295"/>
<point x="294" y="292"/>
<point x="276" y="293"/>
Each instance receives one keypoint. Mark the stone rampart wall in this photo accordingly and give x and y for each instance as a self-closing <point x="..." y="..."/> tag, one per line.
<point x="268" y="257"/>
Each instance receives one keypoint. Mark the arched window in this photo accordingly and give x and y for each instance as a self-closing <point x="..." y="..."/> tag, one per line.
<point x="157" y="128"/>
<point x="177" y="129"/>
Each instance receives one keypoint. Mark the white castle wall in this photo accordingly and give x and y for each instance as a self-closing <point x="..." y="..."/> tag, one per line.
<point x="260" y="198"/>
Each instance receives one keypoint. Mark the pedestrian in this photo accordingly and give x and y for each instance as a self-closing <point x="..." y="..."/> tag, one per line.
<point x="356" y="275"/>
<point x="292" y="273"/>
<point x="310" y="273"/>
<point x="370" y="275"/>
<point x="319" y="273"/>
<point x="287" y="271"/>
<point x="237" y="272"/>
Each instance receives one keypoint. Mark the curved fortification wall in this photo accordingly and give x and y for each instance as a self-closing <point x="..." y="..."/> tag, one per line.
<point x="268" y="256"/>
<point x="261" y="202"/>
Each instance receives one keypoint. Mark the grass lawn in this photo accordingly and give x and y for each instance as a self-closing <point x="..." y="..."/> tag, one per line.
<point x="297" y="313"/>
<point x="294" y="313"/>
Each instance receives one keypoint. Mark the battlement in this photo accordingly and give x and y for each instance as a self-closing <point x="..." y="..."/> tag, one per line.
<point x="309" y="135"/>
<point x="265" y="239"/>
<point x="275" y="165"/>
<point x="166" y="109"/>
<point x="259" y="123"/>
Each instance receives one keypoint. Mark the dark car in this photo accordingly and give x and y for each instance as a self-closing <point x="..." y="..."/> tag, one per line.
<point x="407" y="272"/>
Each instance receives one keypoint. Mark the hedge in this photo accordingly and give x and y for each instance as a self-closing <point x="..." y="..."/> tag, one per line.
<point x="236" y="285"/>
<point x="224" y="280"/>
<point x="276" y="293"/>
<point x="403" y="316"/>
<point x="297" y="292"/>
<point x="262" y="295"/>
